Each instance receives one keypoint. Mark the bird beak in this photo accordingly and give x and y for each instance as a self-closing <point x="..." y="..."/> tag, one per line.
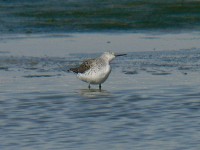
<point x="120" y="55"/>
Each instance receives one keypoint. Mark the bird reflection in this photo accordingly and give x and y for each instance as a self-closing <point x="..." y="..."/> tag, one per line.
<point x="93" y="93"/>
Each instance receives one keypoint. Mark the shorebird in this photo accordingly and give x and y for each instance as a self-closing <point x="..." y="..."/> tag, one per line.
<point x="97" y="70"/>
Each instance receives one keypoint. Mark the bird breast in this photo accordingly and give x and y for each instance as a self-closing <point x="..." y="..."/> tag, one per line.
<point x="95" y="75"/>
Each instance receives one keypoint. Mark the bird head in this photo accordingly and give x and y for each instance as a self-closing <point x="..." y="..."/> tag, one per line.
<point x="111" y="55"/>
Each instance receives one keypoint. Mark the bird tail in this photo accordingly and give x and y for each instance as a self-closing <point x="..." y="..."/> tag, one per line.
<point x="75" y="70"/>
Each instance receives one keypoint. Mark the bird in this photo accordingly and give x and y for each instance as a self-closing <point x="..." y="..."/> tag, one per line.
<point x="96" y="70"/>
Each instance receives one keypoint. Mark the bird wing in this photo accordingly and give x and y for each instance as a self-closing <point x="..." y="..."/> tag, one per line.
<point x="87" y="64"/>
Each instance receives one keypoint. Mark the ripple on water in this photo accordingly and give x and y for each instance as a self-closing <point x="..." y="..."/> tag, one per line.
<point x="39" y="76"/>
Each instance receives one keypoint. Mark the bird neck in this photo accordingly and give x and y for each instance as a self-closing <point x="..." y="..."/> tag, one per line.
<point x="106" y="58"/>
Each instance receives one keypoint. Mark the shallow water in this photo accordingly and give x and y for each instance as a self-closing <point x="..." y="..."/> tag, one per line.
<point x="151" y="99"/>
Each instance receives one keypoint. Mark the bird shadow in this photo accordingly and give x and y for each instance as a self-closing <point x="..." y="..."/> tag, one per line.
<point x="94" y="93"/>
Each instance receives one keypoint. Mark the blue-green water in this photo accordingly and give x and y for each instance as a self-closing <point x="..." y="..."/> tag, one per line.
<point x="39" y="16"/>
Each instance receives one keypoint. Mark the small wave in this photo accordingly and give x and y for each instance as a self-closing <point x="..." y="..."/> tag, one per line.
<point x="130" y="72"/>
<point x="161" y="73"/>
<point x="39" y="76"/>
<point x="4" y="68"/>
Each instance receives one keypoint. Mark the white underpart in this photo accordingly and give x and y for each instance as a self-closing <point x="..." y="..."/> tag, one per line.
<point x="95" y="75"/>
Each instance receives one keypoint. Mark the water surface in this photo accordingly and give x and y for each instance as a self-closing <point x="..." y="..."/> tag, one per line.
<point x="151" y="100"/>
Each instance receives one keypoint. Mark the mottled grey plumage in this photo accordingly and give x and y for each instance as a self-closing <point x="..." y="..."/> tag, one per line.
<point x="87" y="64"/>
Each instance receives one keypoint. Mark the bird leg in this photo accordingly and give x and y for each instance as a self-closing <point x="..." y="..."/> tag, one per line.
<point x="99" y="86"/>
<point x="89" y="86"/>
